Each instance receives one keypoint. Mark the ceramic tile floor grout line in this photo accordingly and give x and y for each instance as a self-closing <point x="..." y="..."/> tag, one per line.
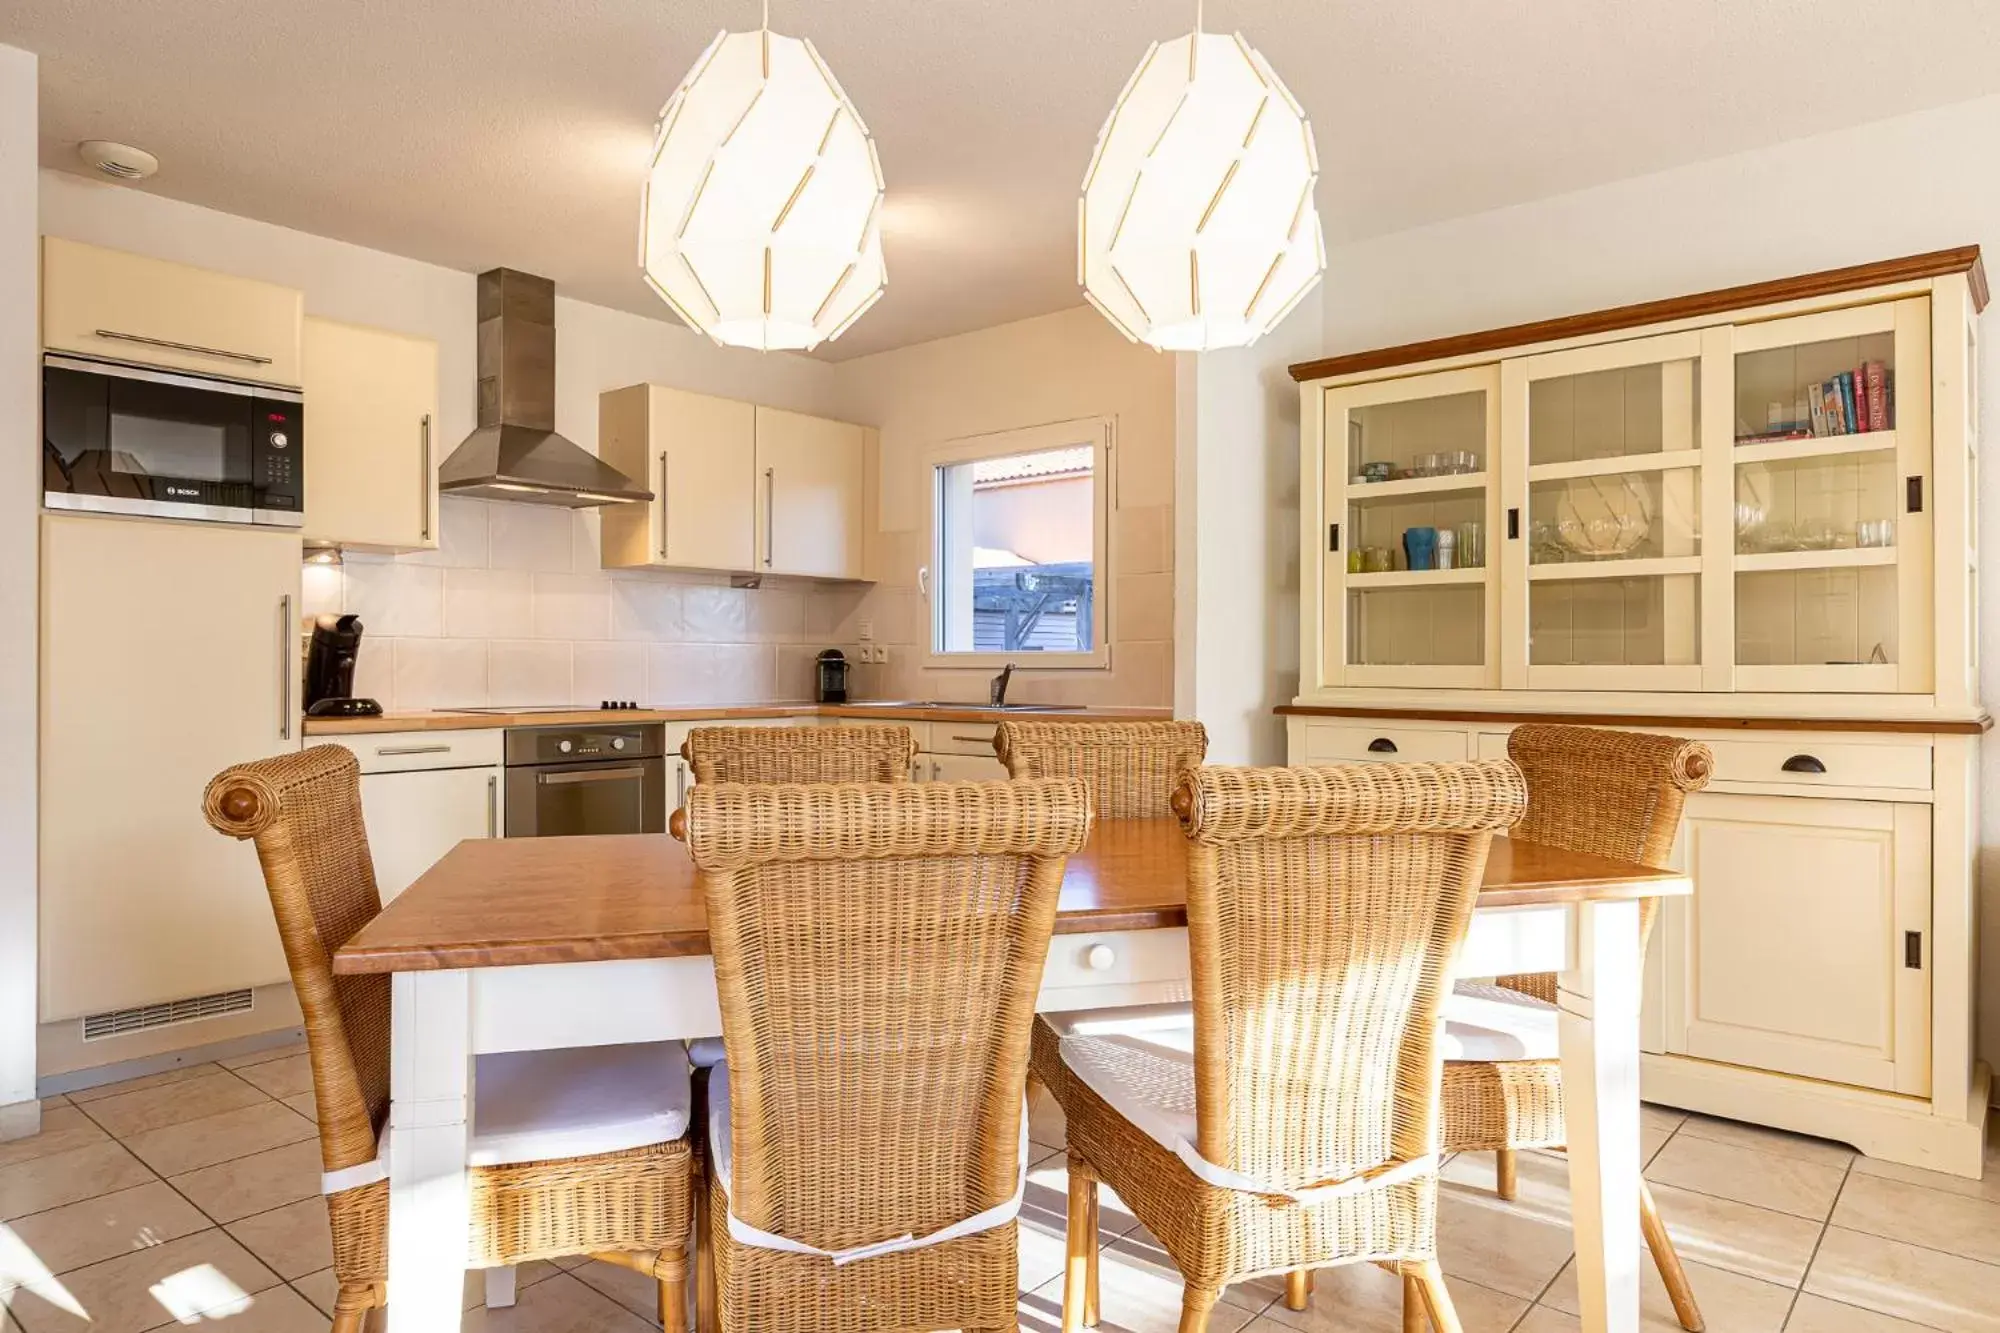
<point x="1825" y="1226"/>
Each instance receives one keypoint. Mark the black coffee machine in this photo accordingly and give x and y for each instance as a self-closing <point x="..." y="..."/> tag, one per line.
<point x="336" y="643"/>
<point x="832" y="687"/>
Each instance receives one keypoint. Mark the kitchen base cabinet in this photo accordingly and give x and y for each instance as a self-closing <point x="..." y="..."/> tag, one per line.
<point x="423" y="793"/>
<point x="169" y="651"/>
<point x="371" y="470"/>
<point x="961" y="768"/>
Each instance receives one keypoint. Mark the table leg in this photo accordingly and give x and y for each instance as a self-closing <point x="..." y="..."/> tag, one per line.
<point x="1599" y="1000"/>
<point x="430" y="1085"/>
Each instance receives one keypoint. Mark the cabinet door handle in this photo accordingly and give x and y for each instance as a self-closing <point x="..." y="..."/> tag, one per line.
<point x="387" y="750"/>
<point x="1333" y="536"/>
<point x="976" y="740"/>
<point x="1513" y="525"/>
<point x="196" y="348"/>
<point x="680" y="786"/>
<point x="1803" y="763"/>
<point x="663" y="503"/>
<point x="1382" y="745"/>
<point x="1913" y="494"/>
<point x="492" y="806"/>
<point x="288" y="656"/>
<point x="1913" y="950"/>
<point x="424" y="476"/>
<point x="770" y="513"/>
<point x="588" y="775"/>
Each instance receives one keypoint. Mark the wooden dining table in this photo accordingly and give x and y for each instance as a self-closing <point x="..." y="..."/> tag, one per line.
<point x="545" y="943"/>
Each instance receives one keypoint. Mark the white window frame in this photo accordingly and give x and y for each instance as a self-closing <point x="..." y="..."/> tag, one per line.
<point x="1097" y="433"/>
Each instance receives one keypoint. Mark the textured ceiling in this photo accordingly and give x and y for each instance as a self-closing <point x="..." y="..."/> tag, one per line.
<point x="481" y="132"/>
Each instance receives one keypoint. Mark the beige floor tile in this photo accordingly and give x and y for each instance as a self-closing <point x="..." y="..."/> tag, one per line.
<point x="206" y="1273"/>
<point x="635" y="1291"/>
<point x="1987" y="1187"/>
<point x="191" y="1145"/>
<point x="1756" y="1242"/>
<point x="65" y="1177"/>
<point x="1361" y="1298"/>
<point x="1816" y="1314"/>
<point x="1953" y="1223"/>
<point x="1548" y="1319"/>
<point x="1823" y="1151"/>
<point x="254" y="1184"/>
<point x="1665" y="1119"/>
<point x="1512" y="1247"/>
<point x="278" y="1310"/>
<point x="1042" y="1250"/>
<point x="1140" y="1254"/>
<point x="1923" y="1286"/>
<point x="1747" y="1175"/>
<point x="1139" y="1292"/>
<point x="287" y="1077"/>
<point x="133" y="1113"/>
<point x="294" y="1240"/>
<point x="559" y="1305"/>
<point x="97" y="1094"/>
<point x="1046" y="1125"/>
<point x="96" y="1229"/>
<point x="1730" y="1302"/>
<point x="320" y="1288"/>
<point x="64" y="1128"/>
<point x="264" y="1056"/>
<point x="303" y="1103"/>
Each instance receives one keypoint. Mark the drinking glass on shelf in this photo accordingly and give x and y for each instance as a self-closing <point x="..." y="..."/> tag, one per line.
<point x="1875" y="532"/>
<point x="1472" y="545"/>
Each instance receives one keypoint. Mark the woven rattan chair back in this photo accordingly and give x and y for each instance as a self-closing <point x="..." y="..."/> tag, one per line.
<point x="877" y="954"/>
<point x="1614" y="793"/>
<point x="1325" y="907"/>
<point x="1132" y="767"/>
<point x="873" y="753"/>
<point x="304" y="811"/>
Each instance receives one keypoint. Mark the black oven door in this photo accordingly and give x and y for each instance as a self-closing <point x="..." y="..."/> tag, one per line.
<point x="134" y="441"/>
<point x="571" y="800"/>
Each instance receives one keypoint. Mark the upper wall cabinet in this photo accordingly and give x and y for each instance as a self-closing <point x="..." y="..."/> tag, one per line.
<point x="108" y="303"/>
<point x="371" y="464"/>
<point x="1769" y="500"/>
<point x="736" y="487"/>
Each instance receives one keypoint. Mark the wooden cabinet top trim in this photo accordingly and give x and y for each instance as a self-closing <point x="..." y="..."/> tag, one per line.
<point x="1898" y="726"/>
<point x="1806" y="286"/>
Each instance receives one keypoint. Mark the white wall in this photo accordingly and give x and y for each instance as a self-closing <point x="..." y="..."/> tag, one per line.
<point x="1757" y="215"/>
<point x="20" y="470"/>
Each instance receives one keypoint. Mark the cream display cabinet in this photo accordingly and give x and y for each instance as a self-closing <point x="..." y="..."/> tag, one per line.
<point x="1746" y="516"/>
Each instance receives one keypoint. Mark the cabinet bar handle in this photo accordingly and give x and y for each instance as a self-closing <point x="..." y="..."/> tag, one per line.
<point x="680" y="786"/>
<point x="386" y="750"/>
<point x="663" y="503"/>
<point x="196" y="348"/>
<point x="977" y="740"/>
<point x="1803" y="763"/>
<point x="1382" y="745"/>
<point x="424" y="478"/>
<point x="492" y="807"/>
<point x="588" y="775"/>
<point x="1913" y="950"/>
<point x="1913" y="494"/>
<point x="288" y="653"/>
<point x="770" y="513"/>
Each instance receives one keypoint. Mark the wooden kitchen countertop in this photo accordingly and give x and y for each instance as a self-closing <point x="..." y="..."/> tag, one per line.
<point x="888" y="711"/>
<point x="512" y="901"/>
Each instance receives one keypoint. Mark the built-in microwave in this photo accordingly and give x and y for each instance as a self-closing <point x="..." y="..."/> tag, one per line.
<point x="128" y="439"/>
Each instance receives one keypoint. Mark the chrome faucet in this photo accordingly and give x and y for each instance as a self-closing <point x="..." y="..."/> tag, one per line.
<point x="997" y="688"/>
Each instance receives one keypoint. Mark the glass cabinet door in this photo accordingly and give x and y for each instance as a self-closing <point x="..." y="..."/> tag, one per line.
<point x="1603" y="449"/>
<point x="1832" y="501"/>
<point x="1409" y="587"/>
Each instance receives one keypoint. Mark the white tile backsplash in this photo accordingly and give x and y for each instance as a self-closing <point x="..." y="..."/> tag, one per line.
<point x="512" y="608"/>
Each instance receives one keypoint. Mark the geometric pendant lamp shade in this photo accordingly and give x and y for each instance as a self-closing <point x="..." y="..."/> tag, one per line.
<point x="1197" y="228"/>
<point x="761" y="218"/>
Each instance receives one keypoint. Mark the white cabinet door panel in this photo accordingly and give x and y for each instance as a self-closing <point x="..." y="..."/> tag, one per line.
<point x="809" y="502"/>
<point x="415" y="818"/>
<point x="371" y="468"/>
<point x="961" y="768"/>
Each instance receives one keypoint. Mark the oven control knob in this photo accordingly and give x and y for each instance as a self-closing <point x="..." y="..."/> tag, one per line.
<point x="279" y="439"/>
<point x="565" y="746"/>
<point x="617" y="742"/>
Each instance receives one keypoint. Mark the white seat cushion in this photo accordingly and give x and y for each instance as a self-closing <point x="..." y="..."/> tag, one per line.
<point x="533" y="1106"/>
<point x="1489" y="1023"/>
<point x="705" y="1052"/>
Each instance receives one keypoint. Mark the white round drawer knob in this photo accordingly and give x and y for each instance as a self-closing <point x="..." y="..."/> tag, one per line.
<point x="1099" y="957"/>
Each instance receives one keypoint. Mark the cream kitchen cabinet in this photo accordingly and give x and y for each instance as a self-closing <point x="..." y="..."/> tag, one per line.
<point x="371" y="468"/>
<point x="698" y="455"/>
<point x="423" y="793"/>
<point x="961" y="768"/>
<point x="810" y="502"/>
<point x="128" y="307"/>
<point x="169" y="651"/>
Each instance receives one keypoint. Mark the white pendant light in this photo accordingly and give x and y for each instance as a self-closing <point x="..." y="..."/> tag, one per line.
<point x="761" y="218"/>
<point x="1197" y="228"/>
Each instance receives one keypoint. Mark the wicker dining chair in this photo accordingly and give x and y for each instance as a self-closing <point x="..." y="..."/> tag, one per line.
<point x="877" y="752"/>
<point x="1617" y="794"/>
<point x="877" y="954"/>
<point x="629" y="1205"/>
<point x="1293" y="1124"/>
<point x="1131" y="767"/>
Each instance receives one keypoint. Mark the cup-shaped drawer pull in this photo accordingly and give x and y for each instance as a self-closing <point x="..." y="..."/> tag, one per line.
<point x="1100" y="957"/>
<point x="1803" y="763"/>
<point x="1381" y="745"/>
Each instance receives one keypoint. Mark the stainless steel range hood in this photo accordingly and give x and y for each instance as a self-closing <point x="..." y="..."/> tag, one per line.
<point x="516" y="454"/>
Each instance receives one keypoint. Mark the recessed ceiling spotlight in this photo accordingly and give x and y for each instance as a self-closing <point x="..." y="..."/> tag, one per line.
<point x="119" y="161"/>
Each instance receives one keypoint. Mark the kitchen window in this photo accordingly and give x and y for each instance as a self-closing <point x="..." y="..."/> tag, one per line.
<point x="1018" y="538"/>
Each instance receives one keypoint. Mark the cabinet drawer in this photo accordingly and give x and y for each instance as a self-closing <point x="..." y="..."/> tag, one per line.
<point x="130" y="308"/>
<point x="1813" y="762"/>
<point x="1116" y="958"/>
<point x="1390" y="742"/>
<point x="408" y="751"/>
<point x="962" y="738"/>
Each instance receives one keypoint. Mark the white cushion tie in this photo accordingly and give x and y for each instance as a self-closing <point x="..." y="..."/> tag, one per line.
<point x="720" y="1142"/>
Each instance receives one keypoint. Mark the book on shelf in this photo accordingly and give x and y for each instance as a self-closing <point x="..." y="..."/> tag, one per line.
<point x="1854" y="401"/>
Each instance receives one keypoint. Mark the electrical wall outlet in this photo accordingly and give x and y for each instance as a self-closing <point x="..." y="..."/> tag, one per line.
<point x="882" y="654"/>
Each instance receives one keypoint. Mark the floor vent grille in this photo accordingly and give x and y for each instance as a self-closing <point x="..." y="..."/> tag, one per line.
<point x="145" y="1017"/>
